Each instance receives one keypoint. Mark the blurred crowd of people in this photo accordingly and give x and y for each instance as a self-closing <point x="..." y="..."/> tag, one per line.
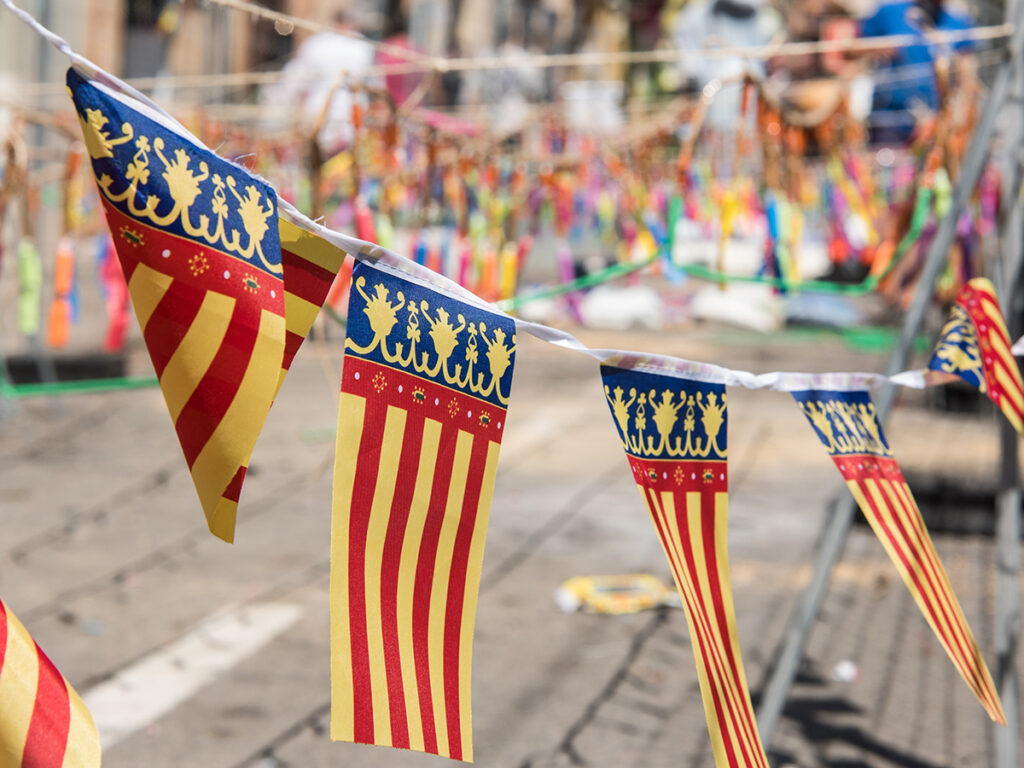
<point x="888" y="89"/>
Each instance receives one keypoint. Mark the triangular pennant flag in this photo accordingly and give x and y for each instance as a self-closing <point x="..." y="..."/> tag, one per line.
<point x="198" y="245"/>
<point x="846" y="423"/>
<point x="44" y="723"/>
<point x="975" y="345"/>
<point x="674" y="432"/>
<point x="424" y="393"/>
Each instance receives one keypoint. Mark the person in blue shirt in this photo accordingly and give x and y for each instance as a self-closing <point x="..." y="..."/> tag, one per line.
<point x="908" y="78"/>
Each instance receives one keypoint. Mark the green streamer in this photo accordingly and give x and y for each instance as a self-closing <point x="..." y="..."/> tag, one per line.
<point x="15" y="391"/>
<point x="30" y="288"/>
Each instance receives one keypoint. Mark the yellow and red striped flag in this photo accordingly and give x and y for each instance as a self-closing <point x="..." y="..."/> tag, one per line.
<point x="847" y="425"/>
<point x="674" y="433"/>
<point x="424" y="393"/>
<point x="310" y="265"/>
<point x="197" y="239"/>
<point x="974" y="345"/>
<point x="43" y="722"/>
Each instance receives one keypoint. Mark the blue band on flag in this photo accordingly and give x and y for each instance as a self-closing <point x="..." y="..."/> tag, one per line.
<point x="845" y="422"/>
<point x="161" y="179"/>
<point x="667" y="417"/>
<point x="401" y="324"/>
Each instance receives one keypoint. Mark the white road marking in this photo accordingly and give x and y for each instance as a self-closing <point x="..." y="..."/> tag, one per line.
<point x="148" y="689"/>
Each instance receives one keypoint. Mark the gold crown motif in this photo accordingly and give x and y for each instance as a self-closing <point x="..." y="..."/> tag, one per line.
<point x="666" y="442"/>
<point x="445" y="336"/>
<point x="184" y="188"/>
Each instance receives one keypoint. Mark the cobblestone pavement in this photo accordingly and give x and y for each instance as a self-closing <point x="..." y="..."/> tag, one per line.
<point x="106" y="558"/>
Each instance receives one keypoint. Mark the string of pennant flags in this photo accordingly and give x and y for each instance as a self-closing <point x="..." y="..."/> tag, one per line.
<point x="226" y="280"/>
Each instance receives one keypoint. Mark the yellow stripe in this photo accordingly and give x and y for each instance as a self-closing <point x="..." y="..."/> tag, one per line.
<point x="982" y="285"/>
<point x="147" y="287"/>
<point x="659" y="518"/>
<point x="19" y="681"/>
<point x="83" y="746"/>
<point x="661" y="514"/>
<point x="439" y="587"/>
<point x="376" y="534"/>
<point x="725" y="582"/>
<point x="476" y="559"/>
<point x="994" y="314"/>
<point x="196" y="351"/>
<point x="661" y="511"/>
<point x="407" y="576"/>
<point x="1010" y="385"/>
<point x="309" y="246"/>
<point x="351" y="411"/>
<point x="714" y="637"/>
<point x="299" y="313"/>
<point x="231" y="444"/>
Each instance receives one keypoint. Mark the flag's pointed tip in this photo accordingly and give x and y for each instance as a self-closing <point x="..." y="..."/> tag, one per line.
<point x="982" y="284"/>
<point x="222" y="520"/>
<point x="996" y="714"/>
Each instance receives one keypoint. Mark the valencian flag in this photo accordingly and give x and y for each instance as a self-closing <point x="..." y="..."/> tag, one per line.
<point x="43" y="722"/>
<point x="424" y="392"/>
<point x="674" y="433"/>
<point x="197" y="238"/>
<point x="975" y="346"/>
<point x="847" y="424"/>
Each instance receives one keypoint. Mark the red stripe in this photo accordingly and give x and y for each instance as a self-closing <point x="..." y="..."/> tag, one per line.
<point x="216" y="390"/>
<point x="424" y="580"/>
<point x="292" y="342"/>
<point x="706" y="621"/>
<point x="3" y="634"/>
<point x="234" y="490"/>
<point x="670" y="551"/>
<point x="305" y="279"/>
<point x="47" y="737"/>
<point x="128" y="261"/>
<point x="359" y="522"/>
<point x="170" y="320"/>
<point x="457" y="593"/>
<point x="700" y="650"/>
<point x="903" y="556"/>
<point x="394" y="542"/>
<point x="708" y="523"/>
